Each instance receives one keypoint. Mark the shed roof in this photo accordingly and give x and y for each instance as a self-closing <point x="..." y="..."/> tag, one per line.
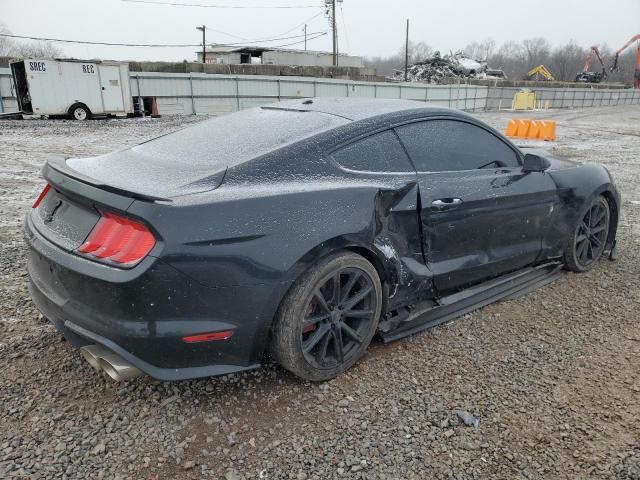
<point x="257" y="50"/>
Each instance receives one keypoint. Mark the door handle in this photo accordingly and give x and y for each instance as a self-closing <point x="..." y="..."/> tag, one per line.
<point x="446" y="203"/>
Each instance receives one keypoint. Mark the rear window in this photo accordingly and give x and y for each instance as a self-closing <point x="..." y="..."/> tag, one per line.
<point x="232" y="139"/>
<point x="160" y="165"/>
<point x="381" y="152"/>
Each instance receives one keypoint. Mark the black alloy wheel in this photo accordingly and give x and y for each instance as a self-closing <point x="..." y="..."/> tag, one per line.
<point x="339" y="316"/>
<point x="590" y="236"/>
<point x="328" y="317"/>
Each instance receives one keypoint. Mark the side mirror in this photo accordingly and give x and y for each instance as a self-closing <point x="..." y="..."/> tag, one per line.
<point x="535" y="163"/>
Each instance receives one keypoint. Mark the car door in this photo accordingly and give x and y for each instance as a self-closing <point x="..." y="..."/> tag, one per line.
<point x="481" y="214"/>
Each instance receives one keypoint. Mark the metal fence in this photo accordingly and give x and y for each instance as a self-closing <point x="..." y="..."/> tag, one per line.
<point x="202" y="93"/>
<point x="198" y="93"/>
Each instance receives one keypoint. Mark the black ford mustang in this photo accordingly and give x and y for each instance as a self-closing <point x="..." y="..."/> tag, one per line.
<point x="301" y="230"/>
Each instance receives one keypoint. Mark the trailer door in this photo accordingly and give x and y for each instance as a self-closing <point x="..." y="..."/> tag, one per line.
<point x="22" y="87"/>
<point x="111" y="88"/>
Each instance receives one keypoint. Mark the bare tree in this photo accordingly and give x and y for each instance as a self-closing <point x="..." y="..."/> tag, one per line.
<point x="6" y="44"/>
<point x="480" y="50"/>
<point x="419" y="52"/>
<point x="567" y="60"/>
<point x="511" y="59"/>
<point x="537" y="50"/>
<point x="19" y="49"/>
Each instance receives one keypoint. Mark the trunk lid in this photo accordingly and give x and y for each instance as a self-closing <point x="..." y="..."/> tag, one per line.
<point x="70" y="209"/>
<point x="64" y="220"/>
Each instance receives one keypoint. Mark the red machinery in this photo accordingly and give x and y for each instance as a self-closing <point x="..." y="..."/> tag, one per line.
<point x="636" y="74"/>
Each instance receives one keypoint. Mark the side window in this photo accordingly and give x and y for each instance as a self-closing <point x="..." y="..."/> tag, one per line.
<point x="445" y="145"/>
<point x="381" y="152"/>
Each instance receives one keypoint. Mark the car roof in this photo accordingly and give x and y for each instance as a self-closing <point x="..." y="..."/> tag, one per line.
<point x="181" y="161"/>
<point x="356" y="109"/>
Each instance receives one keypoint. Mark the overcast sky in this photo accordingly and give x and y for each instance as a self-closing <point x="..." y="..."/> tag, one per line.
<point x="366" y="27"/>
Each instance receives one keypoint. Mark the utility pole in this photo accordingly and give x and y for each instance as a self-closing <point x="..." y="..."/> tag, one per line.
<point x="406" y="53"/>
<point x="335" y="33"/>
<point x="203" y="29"/>
<point x="305" y="37"/>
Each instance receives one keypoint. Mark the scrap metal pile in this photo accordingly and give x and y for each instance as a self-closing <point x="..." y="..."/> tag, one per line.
<point x="437" y="68"/>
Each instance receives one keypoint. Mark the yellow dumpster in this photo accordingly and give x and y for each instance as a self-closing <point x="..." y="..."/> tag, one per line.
<point x="524" y="100"/>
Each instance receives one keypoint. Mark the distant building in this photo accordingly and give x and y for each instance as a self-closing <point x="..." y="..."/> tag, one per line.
<point x="276" y="56"/>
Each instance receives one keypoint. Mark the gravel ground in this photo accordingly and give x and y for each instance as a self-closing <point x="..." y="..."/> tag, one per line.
<point x="552" y="378"/>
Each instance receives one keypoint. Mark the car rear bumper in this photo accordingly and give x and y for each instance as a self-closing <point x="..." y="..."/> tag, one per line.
<point x="142" y="314"/>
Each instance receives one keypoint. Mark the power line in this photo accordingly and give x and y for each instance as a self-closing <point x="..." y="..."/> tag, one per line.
<point x="276" y="35"/>
<point x="110" y="44"/>
<point x="300" y="41"/>
<point x="302" y="23"/>
<point x="200" y="5"/>
<point x="227" y="34"/>
<point x="155" y="45"/>
<point x="267" y="40"/>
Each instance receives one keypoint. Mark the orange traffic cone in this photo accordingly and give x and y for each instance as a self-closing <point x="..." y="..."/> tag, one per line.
<point x="548" y="130"/>
<point x="512" y="128"/>
<point x="523" y="128"/>
<point x="534" y="129"/>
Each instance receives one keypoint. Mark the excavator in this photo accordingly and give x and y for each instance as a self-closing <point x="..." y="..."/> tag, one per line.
<point x="540" y="71"/>
<point x="636" y="73"/>
<point x="587" y="76"/>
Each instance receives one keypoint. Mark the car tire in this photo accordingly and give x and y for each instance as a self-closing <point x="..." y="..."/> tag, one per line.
<point x="328" y="318"/>
<point x="79" y="112"/>
<point x="589" y="237"/>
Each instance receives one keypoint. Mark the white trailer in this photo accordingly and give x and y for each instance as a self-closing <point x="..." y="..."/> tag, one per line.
<point x="75" y="88"/>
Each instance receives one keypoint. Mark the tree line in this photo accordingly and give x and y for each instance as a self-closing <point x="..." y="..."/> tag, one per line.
<point x="13" y="49"/>
<point x="517" y="58"/>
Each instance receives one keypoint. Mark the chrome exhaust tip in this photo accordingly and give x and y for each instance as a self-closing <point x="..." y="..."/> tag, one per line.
<point x="118" y="368"/>
<point x="101" y="358"/>
<point x="92" y="353"/>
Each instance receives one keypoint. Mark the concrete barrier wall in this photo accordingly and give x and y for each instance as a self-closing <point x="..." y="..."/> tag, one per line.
<point x="201" y="93"/>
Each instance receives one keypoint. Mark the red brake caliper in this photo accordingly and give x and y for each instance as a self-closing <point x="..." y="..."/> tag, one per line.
<point x="310" y="310"/>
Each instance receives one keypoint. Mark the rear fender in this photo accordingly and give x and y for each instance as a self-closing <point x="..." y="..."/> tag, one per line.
<point x="392" y="243"/>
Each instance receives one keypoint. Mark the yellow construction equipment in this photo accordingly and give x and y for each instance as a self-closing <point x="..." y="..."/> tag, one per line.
<point x="540" y="71"/>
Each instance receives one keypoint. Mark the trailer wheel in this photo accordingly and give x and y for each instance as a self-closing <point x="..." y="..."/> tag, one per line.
<point x="79" y="111"/>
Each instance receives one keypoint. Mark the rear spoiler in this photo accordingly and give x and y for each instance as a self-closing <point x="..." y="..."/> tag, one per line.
<point x="59" y="165"/>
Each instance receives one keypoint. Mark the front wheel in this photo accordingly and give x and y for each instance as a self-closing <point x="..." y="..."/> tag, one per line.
<point x="589" y="237"/>
<point x="327" y="319"/>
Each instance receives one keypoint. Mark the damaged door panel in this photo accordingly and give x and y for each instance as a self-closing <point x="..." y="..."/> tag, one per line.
<point x="481" y="214"/>
<point x="398" y="240"/>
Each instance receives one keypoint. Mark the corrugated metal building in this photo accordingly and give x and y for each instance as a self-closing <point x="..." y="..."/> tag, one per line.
<point x="276" y="56"/>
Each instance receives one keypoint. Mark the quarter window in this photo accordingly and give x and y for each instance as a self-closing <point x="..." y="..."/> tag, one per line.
<point x="446" y="145"/>
<point x="381" y="152"/>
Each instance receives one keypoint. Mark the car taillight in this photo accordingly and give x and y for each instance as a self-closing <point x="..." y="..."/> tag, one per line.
<point x="118" y="239"/>
<point x="43" y="194"/>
